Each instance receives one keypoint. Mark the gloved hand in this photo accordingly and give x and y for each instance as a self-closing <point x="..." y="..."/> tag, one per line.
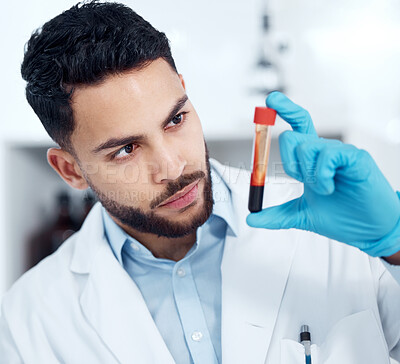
<point x="346" y="197"/>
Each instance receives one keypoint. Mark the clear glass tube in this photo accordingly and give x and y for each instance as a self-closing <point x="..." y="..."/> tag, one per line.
<point x="261" y="147"/>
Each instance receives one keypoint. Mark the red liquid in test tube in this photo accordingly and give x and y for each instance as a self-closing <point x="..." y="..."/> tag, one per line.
<point x="264" y="118"/>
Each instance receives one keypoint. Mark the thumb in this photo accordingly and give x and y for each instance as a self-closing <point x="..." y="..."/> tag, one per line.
<point x="296" y="116"/>
<point x="286" y="216"/>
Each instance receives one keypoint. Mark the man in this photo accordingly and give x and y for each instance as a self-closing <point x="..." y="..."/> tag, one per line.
<point x="162" y="271"/>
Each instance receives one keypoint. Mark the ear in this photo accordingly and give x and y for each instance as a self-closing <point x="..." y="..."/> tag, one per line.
<point x="67" y="167"/>
<point x="182" y="82"/>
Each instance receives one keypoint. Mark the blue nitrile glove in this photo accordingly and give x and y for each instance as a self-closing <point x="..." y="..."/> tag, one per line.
<point x="346" y="197"/>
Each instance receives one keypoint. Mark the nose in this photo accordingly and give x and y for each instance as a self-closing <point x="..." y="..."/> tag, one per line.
<point x="168" y="164"/>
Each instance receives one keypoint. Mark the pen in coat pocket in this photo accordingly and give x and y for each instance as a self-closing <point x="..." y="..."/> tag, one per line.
<point x="305" y="340"/>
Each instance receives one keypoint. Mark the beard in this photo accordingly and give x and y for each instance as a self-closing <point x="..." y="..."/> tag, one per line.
<point x="150" y="222"/>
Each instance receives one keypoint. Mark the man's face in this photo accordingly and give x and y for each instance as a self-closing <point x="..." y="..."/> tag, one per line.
<point x="140" y="146"/>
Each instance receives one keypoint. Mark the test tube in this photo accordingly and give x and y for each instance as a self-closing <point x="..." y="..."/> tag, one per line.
<point x="264" y="118"/>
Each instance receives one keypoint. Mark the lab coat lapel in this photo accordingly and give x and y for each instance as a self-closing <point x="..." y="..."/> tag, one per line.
<point x="115" y="308"/>
<point x="255" y="268"/>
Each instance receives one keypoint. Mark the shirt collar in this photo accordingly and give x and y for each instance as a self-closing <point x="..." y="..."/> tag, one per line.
<point x="222" y="196"/>
<point x="222" y="208"/>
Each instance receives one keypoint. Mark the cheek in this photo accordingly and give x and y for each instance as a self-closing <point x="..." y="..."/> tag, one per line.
<point x="111" y="175"/>
<point x="126" y="184"/>
<point x="194" y="149"/>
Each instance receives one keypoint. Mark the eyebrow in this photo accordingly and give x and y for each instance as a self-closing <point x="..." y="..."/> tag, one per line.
<point x="133" y="139"/>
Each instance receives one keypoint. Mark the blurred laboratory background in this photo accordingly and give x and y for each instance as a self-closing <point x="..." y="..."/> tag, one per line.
<point x="338" y="59"/>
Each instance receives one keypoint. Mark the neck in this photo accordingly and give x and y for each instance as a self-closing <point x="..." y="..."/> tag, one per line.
<point x="161" y="247"/>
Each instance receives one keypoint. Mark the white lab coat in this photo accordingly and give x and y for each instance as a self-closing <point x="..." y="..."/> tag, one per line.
<point x="80" y="306"/>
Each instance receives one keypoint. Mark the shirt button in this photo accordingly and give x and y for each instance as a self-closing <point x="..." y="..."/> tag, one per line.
<point x="197" y="336"/>
<point x="181" y="272"/>
<point x="134" y="246"/>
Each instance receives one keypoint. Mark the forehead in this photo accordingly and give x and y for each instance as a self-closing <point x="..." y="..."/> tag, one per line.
<point x="131" y="102"/>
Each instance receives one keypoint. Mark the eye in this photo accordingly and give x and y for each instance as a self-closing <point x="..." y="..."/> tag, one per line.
<point x="124" y="152"/>
<point x="177" y="119"/>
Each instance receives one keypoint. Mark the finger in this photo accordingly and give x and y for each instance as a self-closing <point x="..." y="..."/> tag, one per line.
<point x="344" y="160"/>
<point x="299" y="118"/>
<point x="288" y="142"/>
<point x="308" y="155"/>
<point x="286" y="216"/>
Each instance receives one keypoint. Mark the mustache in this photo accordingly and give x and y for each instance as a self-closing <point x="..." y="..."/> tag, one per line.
<point x="175" y="186"/>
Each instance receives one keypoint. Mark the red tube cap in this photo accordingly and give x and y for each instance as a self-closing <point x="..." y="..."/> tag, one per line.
<point x="264" y="115"/>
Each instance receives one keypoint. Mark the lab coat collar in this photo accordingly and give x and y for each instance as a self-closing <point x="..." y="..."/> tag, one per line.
<point x="89" y="240"/>
<point x="110" y="300"/>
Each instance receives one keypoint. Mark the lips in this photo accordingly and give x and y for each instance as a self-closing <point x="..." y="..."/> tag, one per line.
<point x="179" y="194"/>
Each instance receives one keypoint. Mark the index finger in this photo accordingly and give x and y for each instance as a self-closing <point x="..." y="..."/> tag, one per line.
<point x="299" y="118"/>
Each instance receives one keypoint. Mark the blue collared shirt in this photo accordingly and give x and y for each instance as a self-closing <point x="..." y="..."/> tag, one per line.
<point x="184" y="297"/>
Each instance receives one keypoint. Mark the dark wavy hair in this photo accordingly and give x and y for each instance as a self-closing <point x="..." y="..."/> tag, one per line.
<point x="82" y="46"/>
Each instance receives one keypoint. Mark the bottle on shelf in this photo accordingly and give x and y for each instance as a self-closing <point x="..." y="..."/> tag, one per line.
<point x="50" y="236"/>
